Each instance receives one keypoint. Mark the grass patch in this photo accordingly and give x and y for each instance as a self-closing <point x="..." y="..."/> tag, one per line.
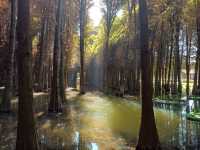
<point x="193" y="97"/>
<point x="194" y="116"/>
<point x="169" y="97"/>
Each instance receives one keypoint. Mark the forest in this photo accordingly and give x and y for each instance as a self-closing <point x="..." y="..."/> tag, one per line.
<point x="99" y="74"/>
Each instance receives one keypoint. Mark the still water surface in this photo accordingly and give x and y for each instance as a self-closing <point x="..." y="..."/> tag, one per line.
<point x="105" y="122"/>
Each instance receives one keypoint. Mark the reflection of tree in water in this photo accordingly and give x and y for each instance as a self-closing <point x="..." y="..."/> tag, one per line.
<point x="83" y="124"/>
<point x="192" y="134"/>
<point x="187" y="135"/>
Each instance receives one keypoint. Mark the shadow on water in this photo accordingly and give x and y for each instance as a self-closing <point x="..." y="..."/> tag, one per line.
<point x="117" y="120"/>
<point x="59" y="131"/>
<point x="98" y="122"/>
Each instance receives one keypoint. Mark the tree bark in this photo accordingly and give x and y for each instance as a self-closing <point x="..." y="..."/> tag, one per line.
<point x="55" y="99"/>
<point x="170" y="56"/>
<point x="26" y="130"/>
<point x="194" y="89"/>
<point x="110" y="11"/>
<point x="195" y="84"/>
<point x="82" y="32"/>
<point x="198" y="40"/>
<point x="177" y="71"/>
<point x="148" y="136"/>
<point x="188" y="48"/>
<point x="42" y="51"/>
<point x="137" y="53"/>
<point x="8" y="92"/>
<point x="62" y="63"/>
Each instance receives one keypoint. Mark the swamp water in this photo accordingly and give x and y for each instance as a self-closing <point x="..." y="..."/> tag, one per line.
<point x="98" y="122"/>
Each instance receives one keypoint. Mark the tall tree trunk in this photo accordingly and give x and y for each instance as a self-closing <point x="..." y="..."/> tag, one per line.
<point x="42" y="51"/>
<point x="62" y="63"/>
<point x="177" y="71"/>
<point x="170" y="56"/>
<point x="26" y="130"/>
<point x="62" y="74"/>
<point x="198" y="39"/>
<point x="82" y="31"/>
<point x="153" y="40"/>
<point x="166" y="65"/>
<point x="129" y="47"/>
<point x="55" y="99"/>
<point x="194" y="89"/>
<point x="158" y="74"/>
<point x="159" y="66"/>
<point x="105" y="61"/>
<point x="137" y="52"/>
<point x="148" y="136"/>
<point x="6" y="104"/>
<point x="188" y="44"/>
<point x="195" y="84"/>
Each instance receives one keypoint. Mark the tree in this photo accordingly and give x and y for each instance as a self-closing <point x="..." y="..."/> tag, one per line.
<point x="177" y="71"/>
<point x="133" y="36"/>
<point x="198" y="38"/>
<point x="187" y="62"/>
<point x="55" y="98"/>
<point x="6" y="104"/>
<point x="41" y="58"/>
<point x="110" y="12"/>
<point x="148" y="136"/>
<point x="196" y="85"/>
<point x="82" y="31"/>
<point x="170" y="53"/>
<point x="62" y="59"/>
<point x="159" y="65"/>
<point x="26" y="131"/>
